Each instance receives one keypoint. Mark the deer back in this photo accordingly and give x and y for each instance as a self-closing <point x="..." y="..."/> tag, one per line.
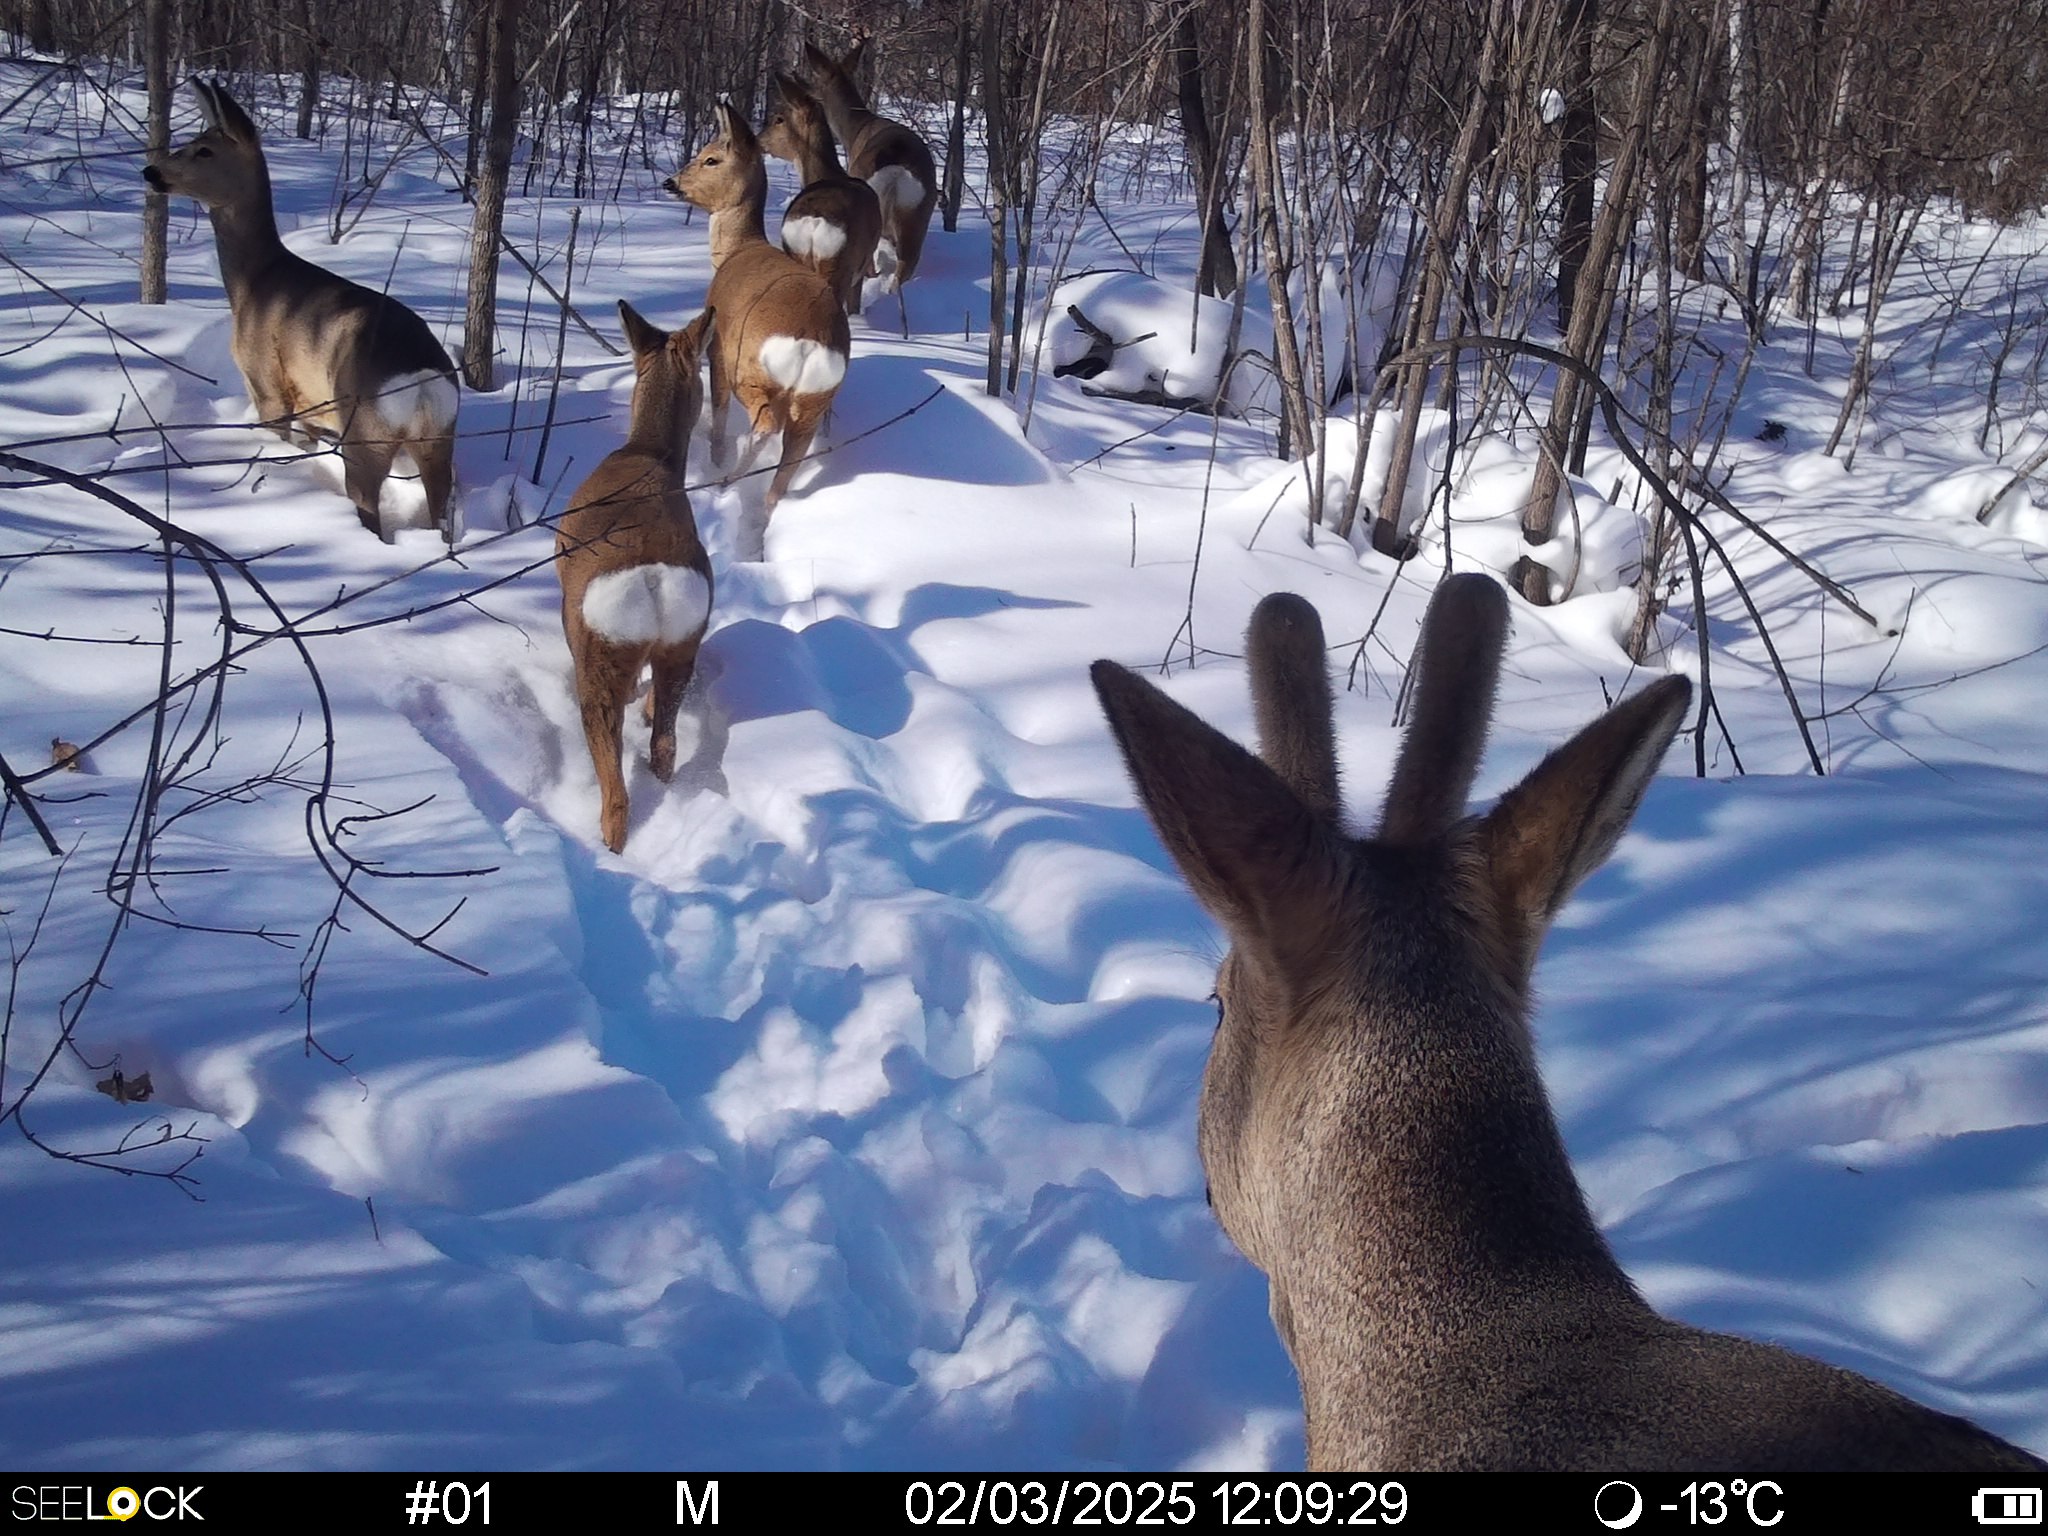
<point x="632" y="510"/>
<point x="874" y="143"/>
<point x="833" y="224"/>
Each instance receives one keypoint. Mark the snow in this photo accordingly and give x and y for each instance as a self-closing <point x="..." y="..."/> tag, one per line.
<point x="847" y="1118"/>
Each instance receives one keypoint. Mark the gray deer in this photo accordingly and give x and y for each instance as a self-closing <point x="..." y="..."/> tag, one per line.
<point x="1373" y="1126"/>
<point x="322" y="356"/>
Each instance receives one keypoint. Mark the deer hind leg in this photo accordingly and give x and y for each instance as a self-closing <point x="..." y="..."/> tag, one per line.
<point x="673" y="667"/>
<point x="911" y="225"/>
<point x="765" y="416"/>
<point x="604" y="681"/>
<point x="366" y="462"/>
<point x="851" y="276"/>
<point x="436" y="459"/>
<point x="800" y="426"/>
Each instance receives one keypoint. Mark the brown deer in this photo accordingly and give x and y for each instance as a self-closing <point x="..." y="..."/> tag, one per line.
<point x="781" y="340"/>
<point x="329" y="357"/>
<point x="882" y="152"/>
<point x="1373" y="1126"/>
<point x="636" y="583"/>
<point x="833" y="223"/>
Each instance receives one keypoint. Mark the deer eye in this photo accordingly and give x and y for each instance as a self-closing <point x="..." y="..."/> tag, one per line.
<point x="712" y="161"/>
<point x="202" y="153"/>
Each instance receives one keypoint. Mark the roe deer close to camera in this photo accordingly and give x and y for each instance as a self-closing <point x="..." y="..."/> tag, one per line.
<point x="1375" y="1132"/>
<point x="636" y="583"/>
<point x="781" y="339"/>
<point x="833" y="223"/>
<point x="330" y="357"/>
<point x="884" y="153"/>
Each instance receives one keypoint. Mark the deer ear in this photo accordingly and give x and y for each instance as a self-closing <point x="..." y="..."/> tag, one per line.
<point x="1291" y="692"/>
<point x="1266" y="866"/>
<point x="849" y="64"/>
<point x="737" y="128"/>
<point x="817" y="60"/>
<point x="1459" y="667"/>
<point x="691" y="337"/>
<point x="208" y="106"/>
<point x="229" y="117"/>
<point x="643" y="337"/>
<point x="1559" y="824"/>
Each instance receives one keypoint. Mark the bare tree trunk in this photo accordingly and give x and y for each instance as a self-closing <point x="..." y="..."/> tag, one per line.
<point x="156" y="206"/>
<point x="954" y="182"/>
<point x="1689" y="213"/>
<point x="479" y="92"/>
<point x="1268" y="190"/>
<point x="309" y="69"/>
<point x="487" y="219"/>
<point x="1578" y="154"/>
<point x="1440" y="243"/>
<point x="1217" y="276"/>
<point x="1738" y="136"/>
<point x="996" y="130"/>
<point x="1590" y="302"/>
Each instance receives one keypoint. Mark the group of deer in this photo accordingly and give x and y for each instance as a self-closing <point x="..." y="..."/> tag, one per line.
<point x="1375" y="1132"/>
<point x="328" y="359"/>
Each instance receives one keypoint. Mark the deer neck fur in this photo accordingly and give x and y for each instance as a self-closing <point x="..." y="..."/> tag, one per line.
<point x="658" y="429"/>
<point x="844" y="107"/>
<point x="245" y="236"/>
<point x="818" y="157"/>
<point x="744" y="223"/>
<point x="1421" y="1257"/>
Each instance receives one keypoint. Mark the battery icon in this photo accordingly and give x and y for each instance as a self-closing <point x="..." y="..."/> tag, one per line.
<point x="2006" y="1506"/>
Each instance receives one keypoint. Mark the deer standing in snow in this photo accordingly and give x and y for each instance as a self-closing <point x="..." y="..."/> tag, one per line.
<point x="781" y="340"/>
<point x="636" y="582"/>
<point x="833" y="223"/>
<point x="319" y="353"/>
<point x="1375" y="1132"/>
<point x="885" y="154"/>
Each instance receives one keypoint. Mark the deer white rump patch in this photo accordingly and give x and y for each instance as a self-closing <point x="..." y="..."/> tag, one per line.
<point x="426" y="397"/>
<point x="896" y="188"/>
<point x="802" y="366"/>
<point x="648" y="604"/>
<point x="813" y="238"/>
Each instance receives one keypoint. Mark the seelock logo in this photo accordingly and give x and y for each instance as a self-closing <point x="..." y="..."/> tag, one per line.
<point x="83" y="1501"/>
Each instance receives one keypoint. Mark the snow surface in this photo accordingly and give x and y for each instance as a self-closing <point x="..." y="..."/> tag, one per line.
<point x="847" y="1118"/>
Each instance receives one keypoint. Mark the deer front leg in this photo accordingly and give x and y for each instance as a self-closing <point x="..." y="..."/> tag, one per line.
<point x="721" y="397"/>
<point x="672" y="670"/>
<point x="274" y="411"/>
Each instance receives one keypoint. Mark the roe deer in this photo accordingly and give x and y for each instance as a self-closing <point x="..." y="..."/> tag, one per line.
<point x="1375" y="1132"/>
<point x="636" y="583"/>
<point x="833" y="223"/>
<point x="885" y="154"/>
<point x="331" y="357"/>
<point x="781" y="339"/>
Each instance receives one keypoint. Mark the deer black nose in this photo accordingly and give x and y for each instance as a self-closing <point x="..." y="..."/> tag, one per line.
<point x="154" y="177"/>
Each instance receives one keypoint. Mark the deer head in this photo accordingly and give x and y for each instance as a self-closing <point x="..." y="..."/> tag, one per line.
<point x="223" y="165"/>
<point x="1372" y="1125"/>
<point x="728" y="172"/>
